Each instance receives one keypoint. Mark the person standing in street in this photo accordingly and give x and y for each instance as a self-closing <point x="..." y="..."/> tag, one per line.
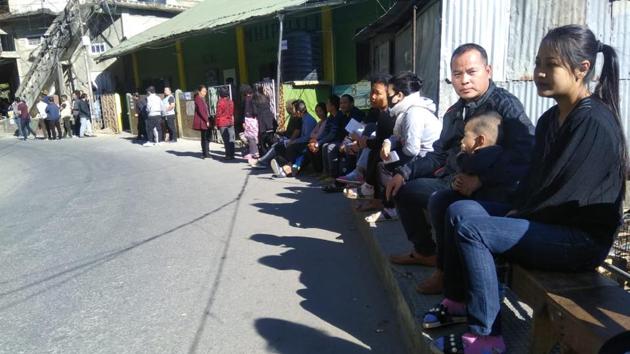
<point x="168" y="102"/>
<point x="154" y="120"/>
<point x="52" y="116"/>
<point x="76" y="97"/>
<point x="41" y="110"/>
<point x="225" y="122"/>
<point x="24" y="119"/>
<point x="66" y="116"/>
<point x="201" y="121"/>
<point x="84" y="116"/>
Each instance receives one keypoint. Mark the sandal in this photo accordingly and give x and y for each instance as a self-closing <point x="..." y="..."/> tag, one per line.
<point x="468" y="342"/>
<point x="438" y="316"/>
<point x="448" y="344"/>
<point x="381" y="216"/>
<point x="356" y="193"/>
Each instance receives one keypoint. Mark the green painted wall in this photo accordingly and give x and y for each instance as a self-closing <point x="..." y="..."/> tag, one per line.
<point x="206" y="56"/>
<point x="347" y="21"/>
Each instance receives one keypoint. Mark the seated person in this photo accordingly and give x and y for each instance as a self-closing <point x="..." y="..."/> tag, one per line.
<point x="288" y="150"/>
<point x="415" y="130"/>
<point x="479" y="152"/>
<point x="332" y="134"/>
<point x="568" y="208"/>
<point x="319" y="131"/>
<point x="296" y="147"/>
<point x="292" y="131"/>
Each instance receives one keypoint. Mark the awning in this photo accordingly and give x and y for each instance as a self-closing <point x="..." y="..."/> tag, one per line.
<point x="391" y="21"/>
<point x="204" y="17"/>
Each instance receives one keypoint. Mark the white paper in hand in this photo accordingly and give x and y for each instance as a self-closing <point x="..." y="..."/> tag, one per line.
<point x="355" y="127"/>
<point x="393" y="157"/>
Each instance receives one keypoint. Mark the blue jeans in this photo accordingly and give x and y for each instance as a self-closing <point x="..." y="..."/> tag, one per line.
<point x="475" y="232"/>
<point x="410" y="200"/>
<point x="438" y="204"/>
<point x="25" y="128"/>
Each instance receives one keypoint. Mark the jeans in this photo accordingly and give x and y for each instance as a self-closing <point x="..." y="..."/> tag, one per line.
<point x="475" y="232"/>
<point x="86" y="127"/>
<point x="227" y="134"/>
<point x="170" y="125"/>
<point x="275" y="150"/>
<point x="25" y="128"/>
<point x="411" y="200"/>
<point x="438" y="204"/>
<point x="362" y="161"/>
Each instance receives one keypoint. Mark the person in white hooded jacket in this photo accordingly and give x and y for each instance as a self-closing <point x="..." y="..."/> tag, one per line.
<point x="416" y="126"/>
<point x="415" y="130"/>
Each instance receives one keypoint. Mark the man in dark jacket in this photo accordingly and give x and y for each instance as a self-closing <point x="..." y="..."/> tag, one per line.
<point x="414" y="182"/>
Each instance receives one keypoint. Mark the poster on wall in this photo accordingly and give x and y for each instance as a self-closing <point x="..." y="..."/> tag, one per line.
<point x="360" y="91"/>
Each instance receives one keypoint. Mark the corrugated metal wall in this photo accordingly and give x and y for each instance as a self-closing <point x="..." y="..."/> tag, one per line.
<point x="428" y="48"/>
<point x="511" y="31"/>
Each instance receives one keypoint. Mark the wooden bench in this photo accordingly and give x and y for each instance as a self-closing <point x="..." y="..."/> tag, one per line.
<point x="581" y="311"/>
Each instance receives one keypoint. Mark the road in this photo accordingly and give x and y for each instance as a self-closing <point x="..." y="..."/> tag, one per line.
<point x="110" y="247"/>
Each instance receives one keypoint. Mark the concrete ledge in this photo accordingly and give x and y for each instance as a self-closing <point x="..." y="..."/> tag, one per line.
<point x="388" y="238"/>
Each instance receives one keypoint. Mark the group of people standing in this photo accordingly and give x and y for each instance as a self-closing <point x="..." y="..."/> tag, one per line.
<point x="73" y="114"/>
<point x="156" y="117"/>
<point x="481" y="181"/>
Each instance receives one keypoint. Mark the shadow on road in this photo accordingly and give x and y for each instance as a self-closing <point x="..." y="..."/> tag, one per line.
<point x="289" y="337"/>
<point x="328" y="269"/>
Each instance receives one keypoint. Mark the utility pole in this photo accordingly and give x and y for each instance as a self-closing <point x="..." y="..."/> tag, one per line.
<point x="85" y="58"/>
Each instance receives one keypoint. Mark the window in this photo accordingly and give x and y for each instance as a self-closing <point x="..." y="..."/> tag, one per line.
<point x="34" y="41"/>
<point x="97" y="48"/>
<point x="7" y="43"/>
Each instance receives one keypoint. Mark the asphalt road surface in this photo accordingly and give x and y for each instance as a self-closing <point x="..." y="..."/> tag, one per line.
<point x="110" y="247"/>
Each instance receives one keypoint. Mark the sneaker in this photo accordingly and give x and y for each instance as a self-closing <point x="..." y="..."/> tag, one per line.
<point x="148" y="144"/>
<point x="277" y="169"/>
<point x="353" y="178"/>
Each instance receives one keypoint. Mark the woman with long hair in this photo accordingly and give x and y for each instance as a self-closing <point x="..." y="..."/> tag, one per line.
<point x="201" y="121"/>
<point x="568" y="208"/>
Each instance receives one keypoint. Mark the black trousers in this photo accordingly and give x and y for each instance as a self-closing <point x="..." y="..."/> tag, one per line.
<point x="170" y="126"/>
<point x="154" y="122"/>
<point x="51" y="125"/>
<point x="265" y="141"/>
<point x="67" y="127"/>
<point x="205" y="143"/>
<point x="142" y="129"/>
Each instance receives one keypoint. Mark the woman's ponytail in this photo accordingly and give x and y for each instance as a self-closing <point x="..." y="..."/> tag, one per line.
<point x="607" y="88"/>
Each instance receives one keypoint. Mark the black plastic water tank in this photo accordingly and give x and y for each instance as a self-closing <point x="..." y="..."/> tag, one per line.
<point x="302" y="60"/>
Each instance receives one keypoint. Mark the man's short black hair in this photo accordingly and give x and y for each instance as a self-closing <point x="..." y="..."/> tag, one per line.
<point x="380" y="78"/>
<point x="300" y="106"/>
<point x="151" y="89"/>
<point x="468" y="47"/>
<point x="349" y="97"/>
<point x="334" y="100"/>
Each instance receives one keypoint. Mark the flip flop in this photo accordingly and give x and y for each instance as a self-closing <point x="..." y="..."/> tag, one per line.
<point x="439" y="316"/>
<point x="356" y="193"/>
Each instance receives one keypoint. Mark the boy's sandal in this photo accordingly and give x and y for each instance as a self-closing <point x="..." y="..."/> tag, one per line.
<point x="438" y="316"/>
<point x="380" y="216"/>
<point x="451" y="344"/>
<point x="356" y="193"/>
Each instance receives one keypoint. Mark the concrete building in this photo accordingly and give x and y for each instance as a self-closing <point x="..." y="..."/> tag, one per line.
<point x="30" y="30"/>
